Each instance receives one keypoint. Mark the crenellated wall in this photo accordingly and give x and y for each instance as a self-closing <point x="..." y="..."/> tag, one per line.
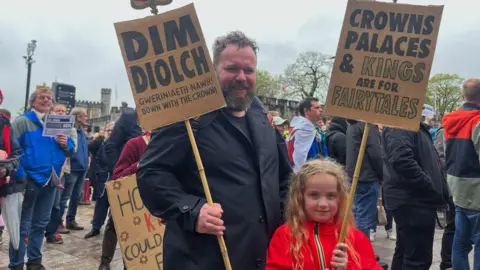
<point x="286" y="108"/>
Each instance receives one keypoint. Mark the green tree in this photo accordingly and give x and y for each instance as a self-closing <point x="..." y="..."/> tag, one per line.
<point x="268" y="85"/>
<point x="444" y="93"/>
<point x="309" y="76"/>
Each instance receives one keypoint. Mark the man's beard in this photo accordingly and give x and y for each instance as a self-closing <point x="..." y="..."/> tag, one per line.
<point x="235" y="102"/>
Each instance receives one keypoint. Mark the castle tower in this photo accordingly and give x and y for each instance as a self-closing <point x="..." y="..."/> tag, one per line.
<point x="106" y="99"/>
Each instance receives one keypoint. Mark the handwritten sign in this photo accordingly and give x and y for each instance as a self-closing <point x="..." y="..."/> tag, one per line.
<point x="58" y="124"/>
<point x="383" y="63"/>
<point x="139" y="233"/>
<point x="169" y="67"/>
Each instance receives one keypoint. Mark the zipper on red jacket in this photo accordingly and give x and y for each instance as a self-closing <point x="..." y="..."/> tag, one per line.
<point x="318" y="245"/>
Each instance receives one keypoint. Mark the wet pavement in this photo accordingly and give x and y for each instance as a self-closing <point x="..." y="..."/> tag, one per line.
<point x="84" y="254"/>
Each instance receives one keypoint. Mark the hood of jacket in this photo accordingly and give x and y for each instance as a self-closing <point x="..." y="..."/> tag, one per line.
<point x="455" y="122"/>
<point x="335" y="127"/>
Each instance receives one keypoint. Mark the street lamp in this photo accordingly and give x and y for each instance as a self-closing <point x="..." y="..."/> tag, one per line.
<point x="29" y="61"/>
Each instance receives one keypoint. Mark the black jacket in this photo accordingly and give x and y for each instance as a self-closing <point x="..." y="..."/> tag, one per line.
<point x="415" y="172"/>
<point x="337" y="140"/>
<point x="372" y="165"/>
<point x="247" y="177"/>
<point x="101" y="163"/>
<point x="15" y="185"/>
<point x="125" y="128"/>
<point x="93" y="147"/>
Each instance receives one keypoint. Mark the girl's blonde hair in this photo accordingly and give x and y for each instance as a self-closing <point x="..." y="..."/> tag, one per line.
<point x="297" y="217"/>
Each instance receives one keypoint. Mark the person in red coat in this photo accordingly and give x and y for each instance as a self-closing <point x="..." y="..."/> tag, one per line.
<point x="132" y="152"/>
<point x="309" y="239"/>
<point x="127" y="164"/>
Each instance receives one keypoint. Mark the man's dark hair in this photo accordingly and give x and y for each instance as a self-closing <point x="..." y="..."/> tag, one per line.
<point x="6" y="113"/>
<point x="306" y="104"/>
<point x="235" y="37"/>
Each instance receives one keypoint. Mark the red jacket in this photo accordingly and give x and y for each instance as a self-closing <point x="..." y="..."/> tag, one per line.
<point x="128" y="162"/>
<point x="278" y="257"/>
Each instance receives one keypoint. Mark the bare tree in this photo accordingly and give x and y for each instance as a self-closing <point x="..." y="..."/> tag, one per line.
<point x="309" y="76"/>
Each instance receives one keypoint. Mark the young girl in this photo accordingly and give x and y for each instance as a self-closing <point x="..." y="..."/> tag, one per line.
<point x="309" y="239"/>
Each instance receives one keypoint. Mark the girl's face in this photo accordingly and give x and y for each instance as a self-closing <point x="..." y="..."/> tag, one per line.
<point x="321" y="198"/>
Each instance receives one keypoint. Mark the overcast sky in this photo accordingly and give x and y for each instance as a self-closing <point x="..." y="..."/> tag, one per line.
<point x="77" y="42"/>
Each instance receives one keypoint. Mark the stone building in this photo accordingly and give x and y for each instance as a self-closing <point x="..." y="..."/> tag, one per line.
<point x="97" y="109"/>
<point x="102" y="121"/>
<point x="287" y="109"/>
<point x="98" y="119"/>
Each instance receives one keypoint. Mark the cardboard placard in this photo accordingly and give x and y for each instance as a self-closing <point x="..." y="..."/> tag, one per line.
<point x="383" y="63"/>
<point x="139" y="233"/>
<point x="169" y="67"/>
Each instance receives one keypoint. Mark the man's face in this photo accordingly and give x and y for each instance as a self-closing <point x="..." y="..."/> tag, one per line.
<point x="82" y="119"/>
<point x="281" y="128"/>
<point x="59" y="110"/>
<point x="236" y="73"/>
<point x="109" y="130"/>
<point x="315" y="112"/>
<point x="428" y="120"/>
<point x="43" y="102"/>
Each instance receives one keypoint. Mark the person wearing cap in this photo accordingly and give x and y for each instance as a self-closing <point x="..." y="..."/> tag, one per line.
<point x="280" y="123"/>
<point x="415" y="189"/>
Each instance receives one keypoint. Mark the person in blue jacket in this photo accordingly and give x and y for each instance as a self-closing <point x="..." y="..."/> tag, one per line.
<point x="40" y="165"/>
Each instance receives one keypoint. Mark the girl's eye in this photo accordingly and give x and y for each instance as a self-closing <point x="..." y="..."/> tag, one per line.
<point x="332" y="196"/>
<point x="314" y="195"/>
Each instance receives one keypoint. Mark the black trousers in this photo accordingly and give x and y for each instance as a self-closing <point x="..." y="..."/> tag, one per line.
<point x="447" y="239"/>
<point x="415" y="231"/>
<point x="109" y="243"/>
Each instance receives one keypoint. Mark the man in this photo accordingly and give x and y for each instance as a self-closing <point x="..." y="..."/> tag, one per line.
<point x="371" y="173"/>
<point x="78" y="169"/>
<point x="124" y="129"/>
<point x="337" y="139"/>
<point x="414" y="191"/>
<point x="305" y="142"/>
<point x="99" y="160"/>
<point x="42" y="160"/>
<point x="55" y="226"/>
<point x="462" y="134"/>
<point x="280" y="123"/>
<point x="241" y="152"/>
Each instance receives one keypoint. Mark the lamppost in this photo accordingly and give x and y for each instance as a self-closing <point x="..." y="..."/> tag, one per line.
<point x="29" y="61"/>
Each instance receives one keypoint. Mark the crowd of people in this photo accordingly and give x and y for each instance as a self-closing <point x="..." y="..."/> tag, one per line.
<point x="280" y="187"/>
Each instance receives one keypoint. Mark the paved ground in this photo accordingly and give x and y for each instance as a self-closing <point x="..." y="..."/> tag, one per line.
<point x="80" y="254"/>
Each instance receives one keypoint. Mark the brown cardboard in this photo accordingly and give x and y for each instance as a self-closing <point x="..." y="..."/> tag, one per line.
<point x="190" y="87"/>
<point x="139" y="233"/>
<point x="354" y="95"/>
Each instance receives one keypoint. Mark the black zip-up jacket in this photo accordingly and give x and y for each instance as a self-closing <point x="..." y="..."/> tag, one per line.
<point x="337" y="140"/>
<point x="247" y="175"/>
<point x="415" y="172"/>
<point x="372" y="165"/>
<point x="125" y="128"/>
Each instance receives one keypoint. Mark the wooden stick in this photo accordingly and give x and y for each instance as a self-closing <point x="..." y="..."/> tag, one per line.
<point x="353" y="188"/>
<point x="206" y="189"/>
